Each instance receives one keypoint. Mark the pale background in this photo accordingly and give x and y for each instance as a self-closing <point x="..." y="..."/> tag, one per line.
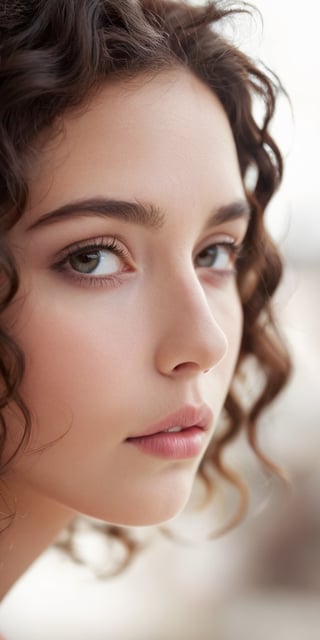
<point x="261" y="581"/>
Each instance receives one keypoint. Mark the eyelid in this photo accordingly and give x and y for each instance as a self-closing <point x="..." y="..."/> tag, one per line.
<point x="104" y="242"/>
<point x="232" y="230"/>
<point x="233" y="249"/>
<point x="215" y="239"/>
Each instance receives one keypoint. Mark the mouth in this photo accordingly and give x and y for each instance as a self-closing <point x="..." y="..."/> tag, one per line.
<point x="185" y="418"/>
<point x="180" y="435"/>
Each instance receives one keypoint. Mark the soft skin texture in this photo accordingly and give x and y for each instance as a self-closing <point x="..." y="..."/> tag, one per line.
<point x="107" y="359"/>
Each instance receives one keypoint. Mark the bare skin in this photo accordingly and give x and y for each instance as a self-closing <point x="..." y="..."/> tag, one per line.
<point x="152" y="328"/>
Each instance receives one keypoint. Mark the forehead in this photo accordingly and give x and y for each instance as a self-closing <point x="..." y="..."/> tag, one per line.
<point x="166" y="134"/>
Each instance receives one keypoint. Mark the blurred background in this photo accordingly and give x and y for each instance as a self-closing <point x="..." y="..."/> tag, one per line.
<point x="261" y="580"/>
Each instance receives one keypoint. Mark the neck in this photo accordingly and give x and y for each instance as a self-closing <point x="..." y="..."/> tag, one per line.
<point x="36" y="523"/>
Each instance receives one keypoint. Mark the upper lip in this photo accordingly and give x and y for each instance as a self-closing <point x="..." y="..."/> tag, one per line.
<point x="187" y="416"/>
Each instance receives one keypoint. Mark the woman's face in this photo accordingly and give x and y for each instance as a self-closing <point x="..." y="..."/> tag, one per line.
<point x="128" y="314"/>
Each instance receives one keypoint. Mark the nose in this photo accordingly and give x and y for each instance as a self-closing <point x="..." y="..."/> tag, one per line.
<point x="190" y="339"/>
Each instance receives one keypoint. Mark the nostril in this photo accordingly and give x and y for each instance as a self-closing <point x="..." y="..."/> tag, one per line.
<point x="190" y="366"/>
<point x="185" y="366"/>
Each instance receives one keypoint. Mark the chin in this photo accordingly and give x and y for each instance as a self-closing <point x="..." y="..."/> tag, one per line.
<point x="143" y="503"/>
<point x="151" y="517"/>
<point x="154" y="505"/>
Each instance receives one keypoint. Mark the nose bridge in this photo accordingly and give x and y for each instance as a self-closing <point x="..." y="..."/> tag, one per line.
<point x="189" y="331"/>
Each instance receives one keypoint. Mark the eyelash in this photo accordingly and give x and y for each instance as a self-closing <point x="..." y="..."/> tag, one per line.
<point x="234" y="250"/>
<point x="112" y="245"/>
<point x="98" y="244"/>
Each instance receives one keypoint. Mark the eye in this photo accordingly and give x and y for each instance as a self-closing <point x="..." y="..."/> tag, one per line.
<point x="219" y="257"/>
<point x="96" y="262"/>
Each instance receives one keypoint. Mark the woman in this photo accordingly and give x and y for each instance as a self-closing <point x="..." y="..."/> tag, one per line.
<point x="136" y="269"/>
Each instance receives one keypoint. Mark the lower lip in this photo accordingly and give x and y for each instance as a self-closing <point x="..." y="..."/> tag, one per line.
<point x="177" y="445"/>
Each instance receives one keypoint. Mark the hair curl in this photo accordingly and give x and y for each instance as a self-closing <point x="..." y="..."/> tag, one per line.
<point x="53" y="55"/>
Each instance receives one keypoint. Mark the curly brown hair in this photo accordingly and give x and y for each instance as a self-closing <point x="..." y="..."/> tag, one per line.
<point x="54" y="54"/>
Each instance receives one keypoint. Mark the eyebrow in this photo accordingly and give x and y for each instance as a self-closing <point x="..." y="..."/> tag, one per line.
<point x="134" y="212"/>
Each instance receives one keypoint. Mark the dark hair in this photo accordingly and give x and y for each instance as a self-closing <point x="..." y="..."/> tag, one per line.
<point x="53" y="55"/>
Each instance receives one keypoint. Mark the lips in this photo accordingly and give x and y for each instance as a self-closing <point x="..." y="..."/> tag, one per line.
<point x="186" y="418"/>
<point x="180" y="436"/>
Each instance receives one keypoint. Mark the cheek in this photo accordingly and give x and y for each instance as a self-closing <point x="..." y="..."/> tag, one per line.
<point x="227" y="310"/>
<point x="233" y="322"/>
<point x="229" y="316"/>
<point x="78" y="362"/>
